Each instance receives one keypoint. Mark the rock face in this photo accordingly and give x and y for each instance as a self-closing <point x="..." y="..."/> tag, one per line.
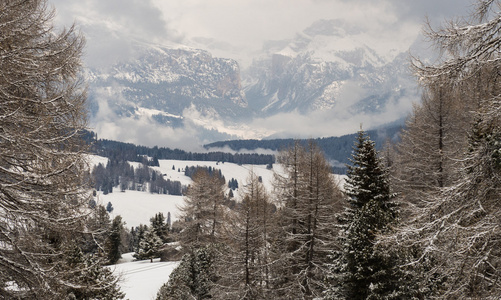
<point x="313" y="72"/>
<point x="166" y="81"/>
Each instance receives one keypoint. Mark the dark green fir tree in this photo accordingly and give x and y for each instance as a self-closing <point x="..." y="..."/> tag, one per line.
<point x="160" y="226"/>
<point x="114" y="241"/>
<point x="194" y="278"/>
<point x="96" y="281"/>
<point x="149" y="246"/>
<point x="360" y="271"/>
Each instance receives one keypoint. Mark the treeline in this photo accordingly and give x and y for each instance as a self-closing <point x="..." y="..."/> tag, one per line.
<point x="135" y="153"/>
<point x="190" y="171"/>
<point x="335" y="149"/>
<point x="119" y="173"/>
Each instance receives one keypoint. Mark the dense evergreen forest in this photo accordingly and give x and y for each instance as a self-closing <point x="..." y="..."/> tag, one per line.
<point x="135" y="153"/>
<point x="336" y="149"/>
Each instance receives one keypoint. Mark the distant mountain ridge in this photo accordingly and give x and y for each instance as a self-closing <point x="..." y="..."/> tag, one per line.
<point x="326" y="68"/>
<point x="166" y="81"/>
<point x="312" y="72"/>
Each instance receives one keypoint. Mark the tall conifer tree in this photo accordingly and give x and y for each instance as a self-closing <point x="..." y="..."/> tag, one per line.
<point x="308" y="199"/>
<point x="44" y="191"/>
<point x="361" y="271"/>
<point x="245" y="266"/>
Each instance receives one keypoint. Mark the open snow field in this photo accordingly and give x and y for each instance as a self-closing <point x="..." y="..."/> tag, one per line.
<point x="229" y="170"/>
<point x="138" y="207"/>
<point x="140" y="280"/>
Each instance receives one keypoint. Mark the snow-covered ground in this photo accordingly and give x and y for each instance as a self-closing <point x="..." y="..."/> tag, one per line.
<point x="94" y="160"/>
<point x="229" y="170"/>
<point x="140" y="280"/>
<point x="138" y="207"/>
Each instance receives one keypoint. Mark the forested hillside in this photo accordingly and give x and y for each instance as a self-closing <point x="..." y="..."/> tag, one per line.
<point x="136" y="153"/>
<point x="336" y="149"/>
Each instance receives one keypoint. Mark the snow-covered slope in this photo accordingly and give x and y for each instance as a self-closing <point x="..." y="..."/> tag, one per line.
<point x="138" y="207"/>
<point x="229" y="170"/>
<point x="140" y="280"/>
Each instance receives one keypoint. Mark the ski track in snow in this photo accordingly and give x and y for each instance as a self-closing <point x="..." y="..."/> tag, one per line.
<point x="141" y="280"/>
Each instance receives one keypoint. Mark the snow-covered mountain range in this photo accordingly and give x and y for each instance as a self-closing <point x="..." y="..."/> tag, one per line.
<point x="316" y="69"/>
<point x="327" y="68"/>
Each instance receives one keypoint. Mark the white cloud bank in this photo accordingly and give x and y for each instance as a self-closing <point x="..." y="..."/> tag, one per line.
<point x="242" y="27"/>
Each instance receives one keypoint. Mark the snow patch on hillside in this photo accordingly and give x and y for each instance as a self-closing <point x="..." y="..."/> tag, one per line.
<point x="137" y="207"/>
<point x="141" y="111"/>
<point x="229" y="170"/>
<point x="94" y="160"/>
<point x="141" y="280"/>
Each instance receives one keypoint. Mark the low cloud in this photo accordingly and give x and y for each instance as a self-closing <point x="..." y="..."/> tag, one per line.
<point x="140" y="130"/>
<point x="335" y="122"/>
<point x="197" y="131"/>
<point x="147" y="133"/>
<point x="227" y="149"/>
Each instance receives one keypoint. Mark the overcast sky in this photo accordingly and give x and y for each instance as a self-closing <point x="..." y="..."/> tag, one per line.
<point x="238" y="29"/>
<point x="243" y="25"/>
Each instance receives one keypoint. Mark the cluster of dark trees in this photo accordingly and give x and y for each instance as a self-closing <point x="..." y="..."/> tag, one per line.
<point x="145" y="240"/>
<point x="190" y="171"/>
<point x="335" y="149"/>
<point x="148" y="240"/>
<point x="233" y="184"/>
<point x="119" y="173"/>
<point x="131" y="152"/>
